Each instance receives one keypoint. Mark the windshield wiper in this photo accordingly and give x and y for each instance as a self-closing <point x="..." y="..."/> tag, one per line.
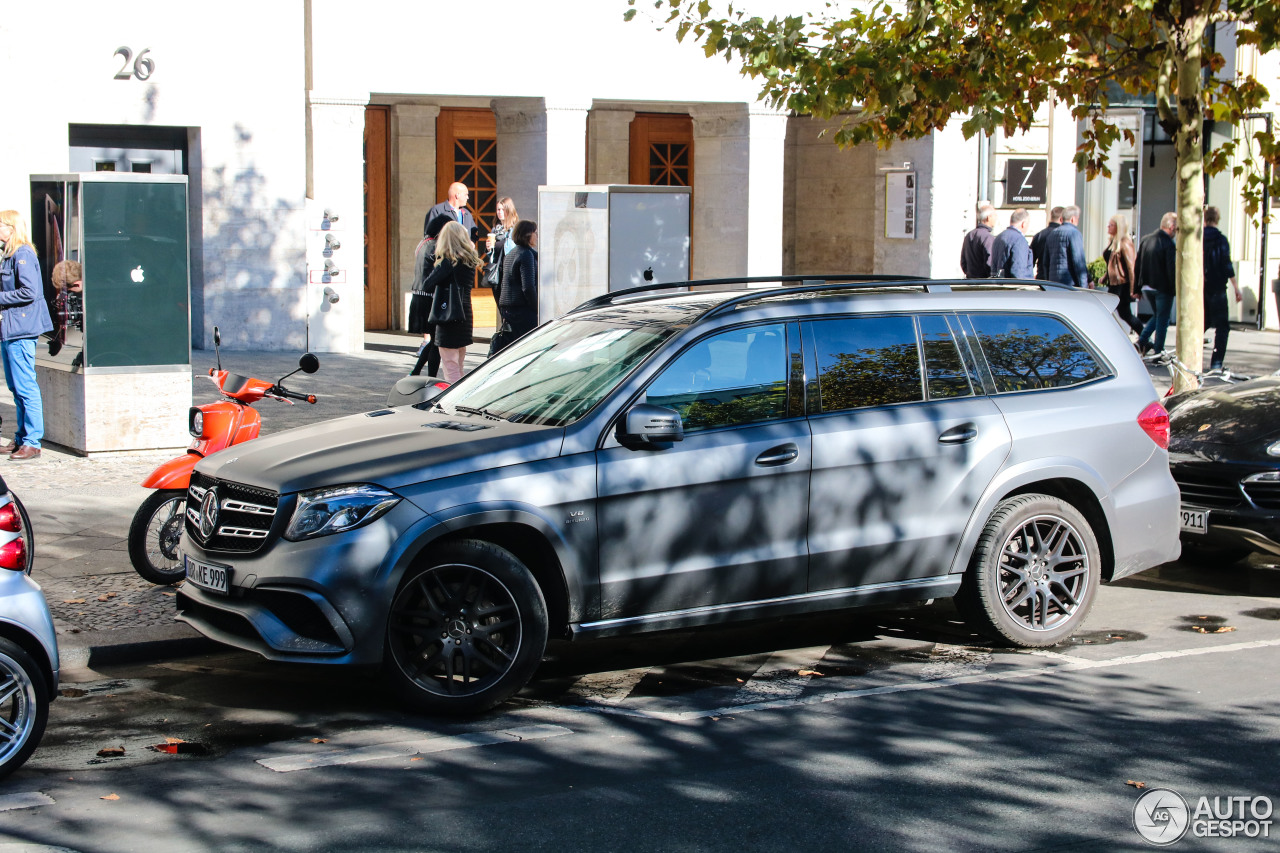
<point x="484" y="413"/>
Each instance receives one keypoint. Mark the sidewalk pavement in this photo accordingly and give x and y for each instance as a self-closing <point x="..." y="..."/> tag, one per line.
<point x="81" y="507"/>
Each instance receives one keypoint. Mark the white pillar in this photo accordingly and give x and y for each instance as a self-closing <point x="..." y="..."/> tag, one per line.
<point x="766" y="181"/>
<point x="567" y="141"/>
<point x="338" y="155"/>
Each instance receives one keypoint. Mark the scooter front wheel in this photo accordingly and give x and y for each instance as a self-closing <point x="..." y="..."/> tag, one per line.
<point x="154" y="535"/>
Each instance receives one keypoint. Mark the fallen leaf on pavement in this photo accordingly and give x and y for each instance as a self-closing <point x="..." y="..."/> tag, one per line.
<point x="810" y="673"/>
<point x="174" y="740"/>
<point x="168" y="593"/>
<point x="73" y="692"/>
<point x="1136" y="784"/>
<point x="416" y="758"/>
<point x="110" y="797"/>
<point x="1221" y="629"/>
<point x="73" y="601"/>
<point x="319" y="740"/>
<point x="111" y="752"/>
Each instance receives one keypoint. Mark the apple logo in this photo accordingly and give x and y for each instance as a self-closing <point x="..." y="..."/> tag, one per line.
<point x="136" y="273"/>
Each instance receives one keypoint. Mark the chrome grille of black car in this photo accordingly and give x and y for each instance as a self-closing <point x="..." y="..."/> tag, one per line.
<point x="1264" y="495"/>
<point x="1199" y="489"/>
<point x="244" y="514"/>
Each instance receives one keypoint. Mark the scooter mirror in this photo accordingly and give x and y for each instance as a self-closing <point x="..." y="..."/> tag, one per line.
<point x="217" y="337"/>
<point x="309" y="363"/>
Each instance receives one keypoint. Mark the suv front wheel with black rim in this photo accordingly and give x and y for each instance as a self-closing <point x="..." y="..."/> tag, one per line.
<point x="1034" y="573"/>
<point x="466" y="629"/>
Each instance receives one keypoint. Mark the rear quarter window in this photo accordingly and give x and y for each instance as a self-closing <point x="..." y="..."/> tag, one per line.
<point x="1030" y="352"/>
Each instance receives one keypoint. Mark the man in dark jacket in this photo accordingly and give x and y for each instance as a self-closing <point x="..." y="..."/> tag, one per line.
<point x="1010" y="254"/>
<point x="1155" y="271"/>
<point x="975" y="252"/>
<point x="455" y="207"/>
<point x="1063" y="259"/>
<point x="1037" y="242"/>
<point x="1218" y="270"/>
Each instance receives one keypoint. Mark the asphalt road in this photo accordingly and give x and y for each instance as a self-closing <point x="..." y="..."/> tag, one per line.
<point x="894" y="730"/>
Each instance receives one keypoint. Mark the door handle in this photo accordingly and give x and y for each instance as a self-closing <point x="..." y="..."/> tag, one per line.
<point x="958" y="434"/>
<point x="779" y="455"/>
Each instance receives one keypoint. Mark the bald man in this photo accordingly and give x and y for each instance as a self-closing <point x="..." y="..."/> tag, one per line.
<point x="455" y="207"/>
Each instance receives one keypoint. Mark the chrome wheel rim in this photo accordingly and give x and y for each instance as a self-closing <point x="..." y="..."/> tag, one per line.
<point x="1044" y="573"/>
<point x="455" y="630"/>
<point x="163" y="532"/>
<point x="17" y="708"/>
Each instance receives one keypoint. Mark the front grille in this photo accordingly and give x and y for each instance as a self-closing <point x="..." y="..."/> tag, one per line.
<point x="1206" y="490"/>
<point x="1264" y="495"/>
<point x="245" y="514"/>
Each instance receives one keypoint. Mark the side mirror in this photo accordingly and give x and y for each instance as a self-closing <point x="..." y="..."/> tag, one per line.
<point x="308" y="363"/>
<point x="217" y="337"/>
<point x="645" y="425"/>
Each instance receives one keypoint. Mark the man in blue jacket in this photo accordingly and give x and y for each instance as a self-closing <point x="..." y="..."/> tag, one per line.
<point x="24" y="316"/>
<point x="1064" y="251"/>
<point x="1010" y="253"/>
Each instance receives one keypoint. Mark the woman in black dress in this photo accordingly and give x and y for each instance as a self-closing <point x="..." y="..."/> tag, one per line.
<point x="456" y="260"/>
<point x="424" y="259"/>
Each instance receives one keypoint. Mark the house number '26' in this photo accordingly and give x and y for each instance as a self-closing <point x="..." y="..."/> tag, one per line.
<point x="142" y="66"/>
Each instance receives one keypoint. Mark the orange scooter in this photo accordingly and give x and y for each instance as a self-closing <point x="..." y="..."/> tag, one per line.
<point x="157" y="525"/>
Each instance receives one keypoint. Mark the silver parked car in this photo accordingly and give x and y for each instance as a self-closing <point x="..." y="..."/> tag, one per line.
<point x="668" y="458"/>
<point x="28" y="645"/>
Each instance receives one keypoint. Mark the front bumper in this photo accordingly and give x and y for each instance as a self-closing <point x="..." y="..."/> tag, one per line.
<point x="1240" y="514"/>
<point x="1238" y="527"/>
<point x="322" y="600"/>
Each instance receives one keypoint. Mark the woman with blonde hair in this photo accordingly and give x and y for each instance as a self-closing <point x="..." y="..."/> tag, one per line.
<point x="24" y="316"/>
<point x="456" y="263"/>
<point x="1119" y="256"/>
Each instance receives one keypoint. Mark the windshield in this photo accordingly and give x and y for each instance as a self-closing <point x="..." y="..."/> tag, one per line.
<point x="557" y="373"/>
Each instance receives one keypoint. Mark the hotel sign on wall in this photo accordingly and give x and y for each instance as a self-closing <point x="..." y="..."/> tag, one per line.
<point x="140" y="67"/>
<point x="1026" y="182"/>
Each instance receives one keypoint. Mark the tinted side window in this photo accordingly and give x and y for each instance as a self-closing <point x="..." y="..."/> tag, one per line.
<point x="733" y="378"/>
<point x="945" y="369"/>
<point x="866" y="361"/>
<point x="1030" y="351"/>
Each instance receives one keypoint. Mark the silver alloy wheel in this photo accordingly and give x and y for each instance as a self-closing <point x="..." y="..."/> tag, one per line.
<point x="19" y="710"/>
<point x="1044" y="573"/>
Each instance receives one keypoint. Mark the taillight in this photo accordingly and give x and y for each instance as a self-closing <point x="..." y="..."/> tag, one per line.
<point x="1154" y="421"/>
<point x="10" y="518"/>
<point x="13" y="555"/>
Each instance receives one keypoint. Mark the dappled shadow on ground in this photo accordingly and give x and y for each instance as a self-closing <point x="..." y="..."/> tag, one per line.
<point x="1036" y="763"/>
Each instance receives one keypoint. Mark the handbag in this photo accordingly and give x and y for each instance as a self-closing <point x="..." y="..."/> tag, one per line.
<point x="501" y="339"/>
<point x="492" y="274"/>
<point x="447" y="306"/>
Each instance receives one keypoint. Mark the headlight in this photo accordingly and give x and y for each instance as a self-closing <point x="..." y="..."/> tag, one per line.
<point x="1273" y="449"/>
<point x="196" y="423"/>
<point x="324" y="511"/>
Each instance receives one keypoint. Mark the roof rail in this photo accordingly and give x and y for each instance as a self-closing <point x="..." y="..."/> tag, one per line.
<point x="809" y="283"/>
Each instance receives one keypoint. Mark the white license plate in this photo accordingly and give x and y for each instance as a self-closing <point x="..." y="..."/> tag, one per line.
<point x="207" y="576"/>
<point x="1194" y="520"/>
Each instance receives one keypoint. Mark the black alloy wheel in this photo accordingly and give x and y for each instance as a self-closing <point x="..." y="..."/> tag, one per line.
<point x="1034" y="574"/>
<point x="466" y="630"/>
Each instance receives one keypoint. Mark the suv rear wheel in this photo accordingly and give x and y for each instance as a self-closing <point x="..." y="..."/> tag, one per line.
<point x="465" y="631"/>
<point x="24" y="706"/>
<point x="1034" y="573"/>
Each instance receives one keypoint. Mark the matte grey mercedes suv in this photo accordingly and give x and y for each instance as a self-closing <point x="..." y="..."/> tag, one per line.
<point x="671" y="457"/>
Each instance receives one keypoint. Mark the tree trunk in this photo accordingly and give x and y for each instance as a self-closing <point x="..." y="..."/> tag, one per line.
<point x="1190" y="149"/>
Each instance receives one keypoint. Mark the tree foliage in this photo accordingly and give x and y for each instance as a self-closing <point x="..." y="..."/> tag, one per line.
<point x="901" y="70"/>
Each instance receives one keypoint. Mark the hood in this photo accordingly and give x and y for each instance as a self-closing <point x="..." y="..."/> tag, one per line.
<point x="1230" y="414"/>
<point x="387" y="447"/>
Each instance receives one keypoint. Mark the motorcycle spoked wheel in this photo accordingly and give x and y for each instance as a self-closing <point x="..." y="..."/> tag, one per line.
<point x="154" y="535"/>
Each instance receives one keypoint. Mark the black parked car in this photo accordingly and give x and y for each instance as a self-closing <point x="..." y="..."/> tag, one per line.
<point x="1225" y="455"/>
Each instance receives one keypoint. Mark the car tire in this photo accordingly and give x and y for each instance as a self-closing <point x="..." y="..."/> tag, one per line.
<point x="24" y="708"/>
<point x="1211" y="556"/>
<point x="154" y="534"/>
<point x="466" y="629"/>
<point x="1034" y="573"/>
